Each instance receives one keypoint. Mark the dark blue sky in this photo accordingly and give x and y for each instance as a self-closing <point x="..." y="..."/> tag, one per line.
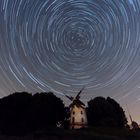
<point x="61" y="46"/>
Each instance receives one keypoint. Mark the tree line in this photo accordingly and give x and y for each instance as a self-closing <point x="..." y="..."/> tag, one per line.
<point x="22" y="112"/>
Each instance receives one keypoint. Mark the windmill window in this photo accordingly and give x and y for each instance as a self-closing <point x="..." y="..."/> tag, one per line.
<point x="81" y="112"/>
<point x="82" y="119"/>
<point x="73" y="120"/>
<point x="73" y="112"/>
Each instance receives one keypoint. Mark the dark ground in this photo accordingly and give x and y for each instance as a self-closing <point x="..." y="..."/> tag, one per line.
<point x="86" y="134"/>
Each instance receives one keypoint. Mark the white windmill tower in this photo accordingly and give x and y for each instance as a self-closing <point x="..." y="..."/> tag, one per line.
<point x="78" y="116"/>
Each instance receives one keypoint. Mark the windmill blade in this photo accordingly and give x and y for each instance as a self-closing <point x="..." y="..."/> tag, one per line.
<point x="78" y="95"/>
<point x="129" y="114"/>
<point x="69" y="97"/>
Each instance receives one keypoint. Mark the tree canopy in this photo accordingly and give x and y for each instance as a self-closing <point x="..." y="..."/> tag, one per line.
<point x="105" y="112"/>
<point x="47" y="109"/>
<point x="22" y="112"/>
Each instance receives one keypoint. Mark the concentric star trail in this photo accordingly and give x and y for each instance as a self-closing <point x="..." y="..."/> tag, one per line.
<point x="60" y="46"/>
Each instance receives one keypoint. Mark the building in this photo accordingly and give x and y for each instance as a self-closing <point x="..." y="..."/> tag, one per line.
<point x="78" y="117"/>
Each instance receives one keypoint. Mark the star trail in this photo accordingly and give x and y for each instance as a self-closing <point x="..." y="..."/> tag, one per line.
<point x="61" y="46"/>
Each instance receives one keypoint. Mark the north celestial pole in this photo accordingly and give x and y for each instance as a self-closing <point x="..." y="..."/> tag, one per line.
<point x="60" y="46"/>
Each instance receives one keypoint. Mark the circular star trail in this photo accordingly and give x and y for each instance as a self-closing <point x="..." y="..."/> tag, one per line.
<point x="60" y="46"/>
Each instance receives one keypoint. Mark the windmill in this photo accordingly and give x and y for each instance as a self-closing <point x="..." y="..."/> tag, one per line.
<point x="134" y="125"/>
<point x="78" y="117"/>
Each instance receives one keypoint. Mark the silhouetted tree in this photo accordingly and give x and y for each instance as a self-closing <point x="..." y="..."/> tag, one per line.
<point x="15" y="113"/>
<point x="105" y="112"/>
<point x="21" y="112"/>
<point x="66" y="122"/>
<point x="47" y="110"/>
<point x="119" y="112"/>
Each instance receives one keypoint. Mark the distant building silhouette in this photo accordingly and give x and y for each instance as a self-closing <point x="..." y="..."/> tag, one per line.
<point x="134" y="125"/>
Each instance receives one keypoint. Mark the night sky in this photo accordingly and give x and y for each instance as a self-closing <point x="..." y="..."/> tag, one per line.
<point x="63" y="45"/>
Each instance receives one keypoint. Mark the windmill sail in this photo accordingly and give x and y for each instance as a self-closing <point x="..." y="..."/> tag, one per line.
<point x="69" y="97"/>
<point x="129" y="114"/>
<point x="78" y="95"/>
<point x="130" y="118"/>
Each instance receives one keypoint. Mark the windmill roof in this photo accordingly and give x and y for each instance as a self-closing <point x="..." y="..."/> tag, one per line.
<point x="78" y="103"/>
